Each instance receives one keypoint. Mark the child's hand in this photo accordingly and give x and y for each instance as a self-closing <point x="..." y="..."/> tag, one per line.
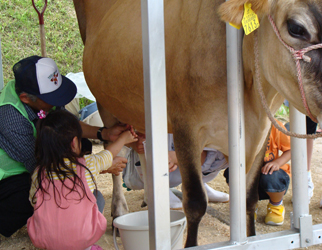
<point x="119" y="163"/>
<point x="138" y="145"/>
<point x="128" y="137"/>
<point x="132" y="131"/>
<point x="270" y="167"/>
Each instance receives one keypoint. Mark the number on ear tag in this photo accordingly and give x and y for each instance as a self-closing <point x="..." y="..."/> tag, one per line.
<point x="250" y="20"/>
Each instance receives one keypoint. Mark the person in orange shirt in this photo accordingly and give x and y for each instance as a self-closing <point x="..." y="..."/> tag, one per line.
<point x="275" y="175"/>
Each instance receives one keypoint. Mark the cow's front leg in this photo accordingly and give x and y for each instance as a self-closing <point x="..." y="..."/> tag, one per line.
<point x="251" y="201"/>
<point x="194" y="202"/>
<point x="194" y="196"/>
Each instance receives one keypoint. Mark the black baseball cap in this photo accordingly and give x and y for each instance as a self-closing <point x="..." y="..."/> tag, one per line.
<point x="40" y="76"/>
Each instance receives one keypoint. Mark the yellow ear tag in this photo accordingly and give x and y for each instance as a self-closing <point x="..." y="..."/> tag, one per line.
<point x="250" y="19"/>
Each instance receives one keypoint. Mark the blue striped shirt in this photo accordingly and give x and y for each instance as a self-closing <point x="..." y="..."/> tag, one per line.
<point x="16" y="135"/>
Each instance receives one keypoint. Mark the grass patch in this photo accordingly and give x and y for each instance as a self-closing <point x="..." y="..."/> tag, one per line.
<point x="20" y="36"/>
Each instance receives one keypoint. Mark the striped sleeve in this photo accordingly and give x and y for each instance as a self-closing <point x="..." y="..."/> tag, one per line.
<point x="97" y="163"/>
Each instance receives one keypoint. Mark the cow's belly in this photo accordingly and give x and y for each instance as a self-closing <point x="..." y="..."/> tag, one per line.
<point x="195" y="66"/>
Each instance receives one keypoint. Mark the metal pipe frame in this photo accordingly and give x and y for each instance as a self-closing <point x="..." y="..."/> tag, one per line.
<point x="156" y="123"/>
<point x="303" y="233"/>
<point x="301" y="218"/>
<point x="287" y="239"/>
<point x="236" y="129"/>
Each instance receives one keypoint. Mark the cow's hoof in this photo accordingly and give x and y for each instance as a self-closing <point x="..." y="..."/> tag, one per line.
<point x="143" y="204"/>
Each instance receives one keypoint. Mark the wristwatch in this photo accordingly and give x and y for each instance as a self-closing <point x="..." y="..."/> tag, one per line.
<point x="99" y="134"/>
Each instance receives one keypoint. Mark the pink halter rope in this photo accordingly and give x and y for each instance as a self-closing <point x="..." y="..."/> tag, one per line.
<point x="298" y="55"/>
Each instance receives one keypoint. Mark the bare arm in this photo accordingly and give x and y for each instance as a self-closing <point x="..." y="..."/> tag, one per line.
<point x="108" y="134"/>
<point x="125" y="138"/>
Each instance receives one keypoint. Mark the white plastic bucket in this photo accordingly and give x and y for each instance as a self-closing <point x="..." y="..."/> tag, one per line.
<point x="134" y="230"/>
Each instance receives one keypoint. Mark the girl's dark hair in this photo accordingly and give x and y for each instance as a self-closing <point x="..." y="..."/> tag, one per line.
<point x="55" y="134"/>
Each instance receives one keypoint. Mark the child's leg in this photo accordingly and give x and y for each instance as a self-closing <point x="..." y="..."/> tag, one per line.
<point x="274" y="187"/>
<point x="276" y="198"/>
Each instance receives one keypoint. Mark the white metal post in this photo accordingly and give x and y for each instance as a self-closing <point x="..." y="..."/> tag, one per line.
<point x="156" y="123"/>
<point x="1" y="70"/>
<point x="299" y="165"/>
<point x="236" y="129"/>
<point x="301" y="218"/>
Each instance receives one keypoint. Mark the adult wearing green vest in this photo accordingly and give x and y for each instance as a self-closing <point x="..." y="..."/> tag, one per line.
<point x="38" y="87"/>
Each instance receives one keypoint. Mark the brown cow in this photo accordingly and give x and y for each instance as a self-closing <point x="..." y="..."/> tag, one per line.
<point x="196" y="75"/>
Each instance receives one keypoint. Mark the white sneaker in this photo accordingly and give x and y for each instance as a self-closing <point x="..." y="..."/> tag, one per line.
<point x="175" y="202"/>
<point x="310" y="188"/>
<point x="216" y="196"/>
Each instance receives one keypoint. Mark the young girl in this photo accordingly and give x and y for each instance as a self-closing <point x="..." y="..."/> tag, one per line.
<point x="64" y="192"/>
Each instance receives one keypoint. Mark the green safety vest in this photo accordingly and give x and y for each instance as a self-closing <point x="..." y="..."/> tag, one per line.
<point x="8" y="166"/>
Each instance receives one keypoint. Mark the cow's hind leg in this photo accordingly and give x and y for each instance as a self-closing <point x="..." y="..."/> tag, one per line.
<point x="252" y="181"/>
<point x="188" y="153"/>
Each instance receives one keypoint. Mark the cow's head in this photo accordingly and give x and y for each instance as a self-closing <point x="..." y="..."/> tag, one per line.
<point x="299" y="23"/>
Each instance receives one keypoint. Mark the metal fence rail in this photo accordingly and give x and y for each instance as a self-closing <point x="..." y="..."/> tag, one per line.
<point x="302" y="233"/>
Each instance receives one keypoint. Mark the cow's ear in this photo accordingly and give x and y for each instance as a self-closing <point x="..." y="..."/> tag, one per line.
<point x="232" y="11"/>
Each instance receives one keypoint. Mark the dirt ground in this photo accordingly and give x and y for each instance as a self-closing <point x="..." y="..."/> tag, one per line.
<point x="211" y="229"/>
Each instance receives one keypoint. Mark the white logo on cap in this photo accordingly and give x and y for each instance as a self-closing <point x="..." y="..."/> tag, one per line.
<point x="48" y="76"/>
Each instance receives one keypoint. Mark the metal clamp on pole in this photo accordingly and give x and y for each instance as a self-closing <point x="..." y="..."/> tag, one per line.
<point x="306" y="231"/>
